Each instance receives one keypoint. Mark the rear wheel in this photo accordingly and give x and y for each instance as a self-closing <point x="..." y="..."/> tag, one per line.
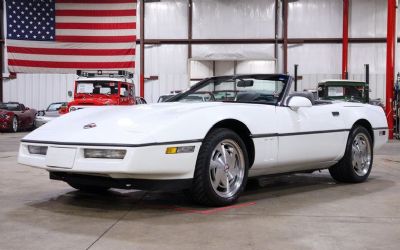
<point x="89" y="188"/>
<point x="221" y="169"/>
<point x="356" y="164"/>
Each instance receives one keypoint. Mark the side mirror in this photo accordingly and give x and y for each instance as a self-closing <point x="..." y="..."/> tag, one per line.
<point x="69" y="93"/>
<point x="297" y="102"/>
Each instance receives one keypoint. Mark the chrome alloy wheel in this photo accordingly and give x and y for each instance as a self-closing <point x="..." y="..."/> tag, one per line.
<point x="361" y="154"/>
<point x="15" y="124"/>
<point x="227" y="168"/>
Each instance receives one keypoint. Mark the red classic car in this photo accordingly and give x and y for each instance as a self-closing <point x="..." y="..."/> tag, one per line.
<point x="15" y="116"/>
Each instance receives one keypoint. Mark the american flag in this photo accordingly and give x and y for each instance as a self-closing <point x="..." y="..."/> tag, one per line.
<point x="61" y="36"/>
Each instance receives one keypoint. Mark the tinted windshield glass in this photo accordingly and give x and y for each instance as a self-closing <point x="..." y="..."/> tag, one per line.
<point x="97" y="87"/>
<point x="10" y="106"/>
<point x="355" y="93"/>
<point x="264" y="89"/>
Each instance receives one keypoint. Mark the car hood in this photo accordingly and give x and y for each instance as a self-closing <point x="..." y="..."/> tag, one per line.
<point x="138" y="124"/>
<point x="4" y="111"/>
<point x="93" y="101"/>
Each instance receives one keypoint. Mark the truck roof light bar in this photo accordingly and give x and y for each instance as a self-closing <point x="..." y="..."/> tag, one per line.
<point x="105" y="73"/>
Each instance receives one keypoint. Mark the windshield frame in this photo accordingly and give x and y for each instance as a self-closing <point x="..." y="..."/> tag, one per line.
<point x="286" y="79"/>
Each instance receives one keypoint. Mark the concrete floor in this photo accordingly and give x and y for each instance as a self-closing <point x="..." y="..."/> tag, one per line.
<point x="293" y="212"/>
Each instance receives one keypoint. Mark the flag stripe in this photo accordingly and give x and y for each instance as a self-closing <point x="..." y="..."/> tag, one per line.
<point x="96" y="39"/>
<point x="97" y="1"/>
<point x="72" y="65"/>
<point x="126" y="12"/>
<point x="25" y="69"/>
<point x="83" y="46"/>
<point x="83" y="52"/>
<point x="96" y="26"/>
<point x="93" y="19"/>
<point x="85" y="6"/>
<point x="107" y="33"/>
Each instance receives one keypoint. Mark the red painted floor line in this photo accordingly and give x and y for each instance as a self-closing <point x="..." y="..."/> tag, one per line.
<point x="213" y="210"/>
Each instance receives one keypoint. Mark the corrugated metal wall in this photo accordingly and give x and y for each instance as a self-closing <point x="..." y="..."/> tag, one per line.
<point x="38" y="90"/>
<point x="239" y="19"/>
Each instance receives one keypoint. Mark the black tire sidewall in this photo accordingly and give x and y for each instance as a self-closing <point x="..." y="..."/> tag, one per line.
<point x="348" y="156"/>
<point x="203" y="164"/>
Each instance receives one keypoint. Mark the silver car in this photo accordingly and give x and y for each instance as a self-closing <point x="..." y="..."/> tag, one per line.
<point x="44" y="116"/>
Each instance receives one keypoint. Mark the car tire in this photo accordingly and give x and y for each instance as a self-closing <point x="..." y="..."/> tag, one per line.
<point x="88" y="188"/>
<point x="356" y="164"/>
<point x="221" y="169"/>
<point x="14" y="124"/>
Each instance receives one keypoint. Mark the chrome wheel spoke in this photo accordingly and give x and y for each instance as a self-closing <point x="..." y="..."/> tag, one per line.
<point x="361" y="155"/>
<point x="227" y="168"/>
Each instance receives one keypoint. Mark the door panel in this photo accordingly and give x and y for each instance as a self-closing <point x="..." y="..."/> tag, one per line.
<point x="310" y="135"/>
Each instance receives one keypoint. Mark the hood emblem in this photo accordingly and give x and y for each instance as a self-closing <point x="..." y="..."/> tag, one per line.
<point x="90" y="125"/>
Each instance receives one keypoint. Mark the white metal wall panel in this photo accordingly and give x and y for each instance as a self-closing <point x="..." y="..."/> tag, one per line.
<point x="233" y="18"/>
<point x="315" y="58"/>
<point x="38" y="90"/>
<point x="234" y="51"/>
<point x="375" y="56"/>
<point x="255" y="67"/>
<point x="169" y="63"/>
<point x="315" y="18"/>
<point x="368" y="18"/>
<point x="166" y="19"/>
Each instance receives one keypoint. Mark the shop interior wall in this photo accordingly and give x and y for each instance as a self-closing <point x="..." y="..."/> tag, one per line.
<point x="219" y="19"/>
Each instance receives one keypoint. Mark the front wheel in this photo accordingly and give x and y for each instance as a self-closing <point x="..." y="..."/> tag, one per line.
<point x="221" y="169"/>
<point x="14" y="125"/>
<point x="356" y="164"/>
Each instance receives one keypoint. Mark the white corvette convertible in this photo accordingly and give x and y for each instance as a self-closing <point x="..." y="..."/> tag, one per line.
<point x="209" y="140"/>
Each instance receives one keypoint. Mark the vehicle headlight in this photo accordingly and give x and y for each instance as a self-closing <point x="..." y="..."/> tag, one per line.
<point x="37" y="150"/>
<point x="104" y="153"/>
<point x="4" y="116"/>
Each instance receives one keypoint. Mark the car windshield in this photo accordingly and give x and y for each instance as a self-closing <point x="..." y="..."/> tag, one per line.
<point x="10" y="106"/>
<point x="97" y="87"/>
<point x="264" y="89"/>
<point x="349" y="93"/>
<point x="54" y="106"/>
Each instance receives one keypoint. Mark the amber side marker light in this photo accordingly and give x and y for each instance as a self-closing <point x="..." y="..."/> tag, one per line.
<point x="179" y="150"/>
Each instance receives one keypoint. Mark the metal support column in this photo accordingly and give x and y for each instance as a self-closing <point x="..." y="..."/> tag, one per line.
<point x="345" y="44"/>
<point x="285" y="10"/>
<point x="390" y="62"/>
<point x="142" y="48"/>
<point x="190" y="27"/>
<point x="1" y="50"/>
<point x="367" y="82"/>
<point x="296" y="70"/>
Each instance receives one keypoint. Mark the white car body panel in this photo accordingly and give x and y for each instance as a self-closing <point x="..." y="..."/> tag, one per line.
<point x="285" y="140"/>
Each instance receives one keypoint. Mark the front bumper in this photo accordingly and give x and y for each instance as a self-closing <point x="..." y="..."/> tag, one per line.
<point x="5" y="125"/>
<point x="143" y="162"/>
<point x="140" y="184"/>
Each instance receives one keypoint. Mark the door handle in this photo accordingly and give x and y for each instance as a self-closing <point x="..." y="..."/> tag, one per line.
<point x="335" y="113"/>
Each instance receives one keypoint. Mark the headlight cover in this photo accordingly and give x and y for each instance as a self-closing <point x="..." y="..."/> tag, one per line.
<point x="104" y="153"/>
<point x="37" y="150"/>
<point x="4" y="116"/>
